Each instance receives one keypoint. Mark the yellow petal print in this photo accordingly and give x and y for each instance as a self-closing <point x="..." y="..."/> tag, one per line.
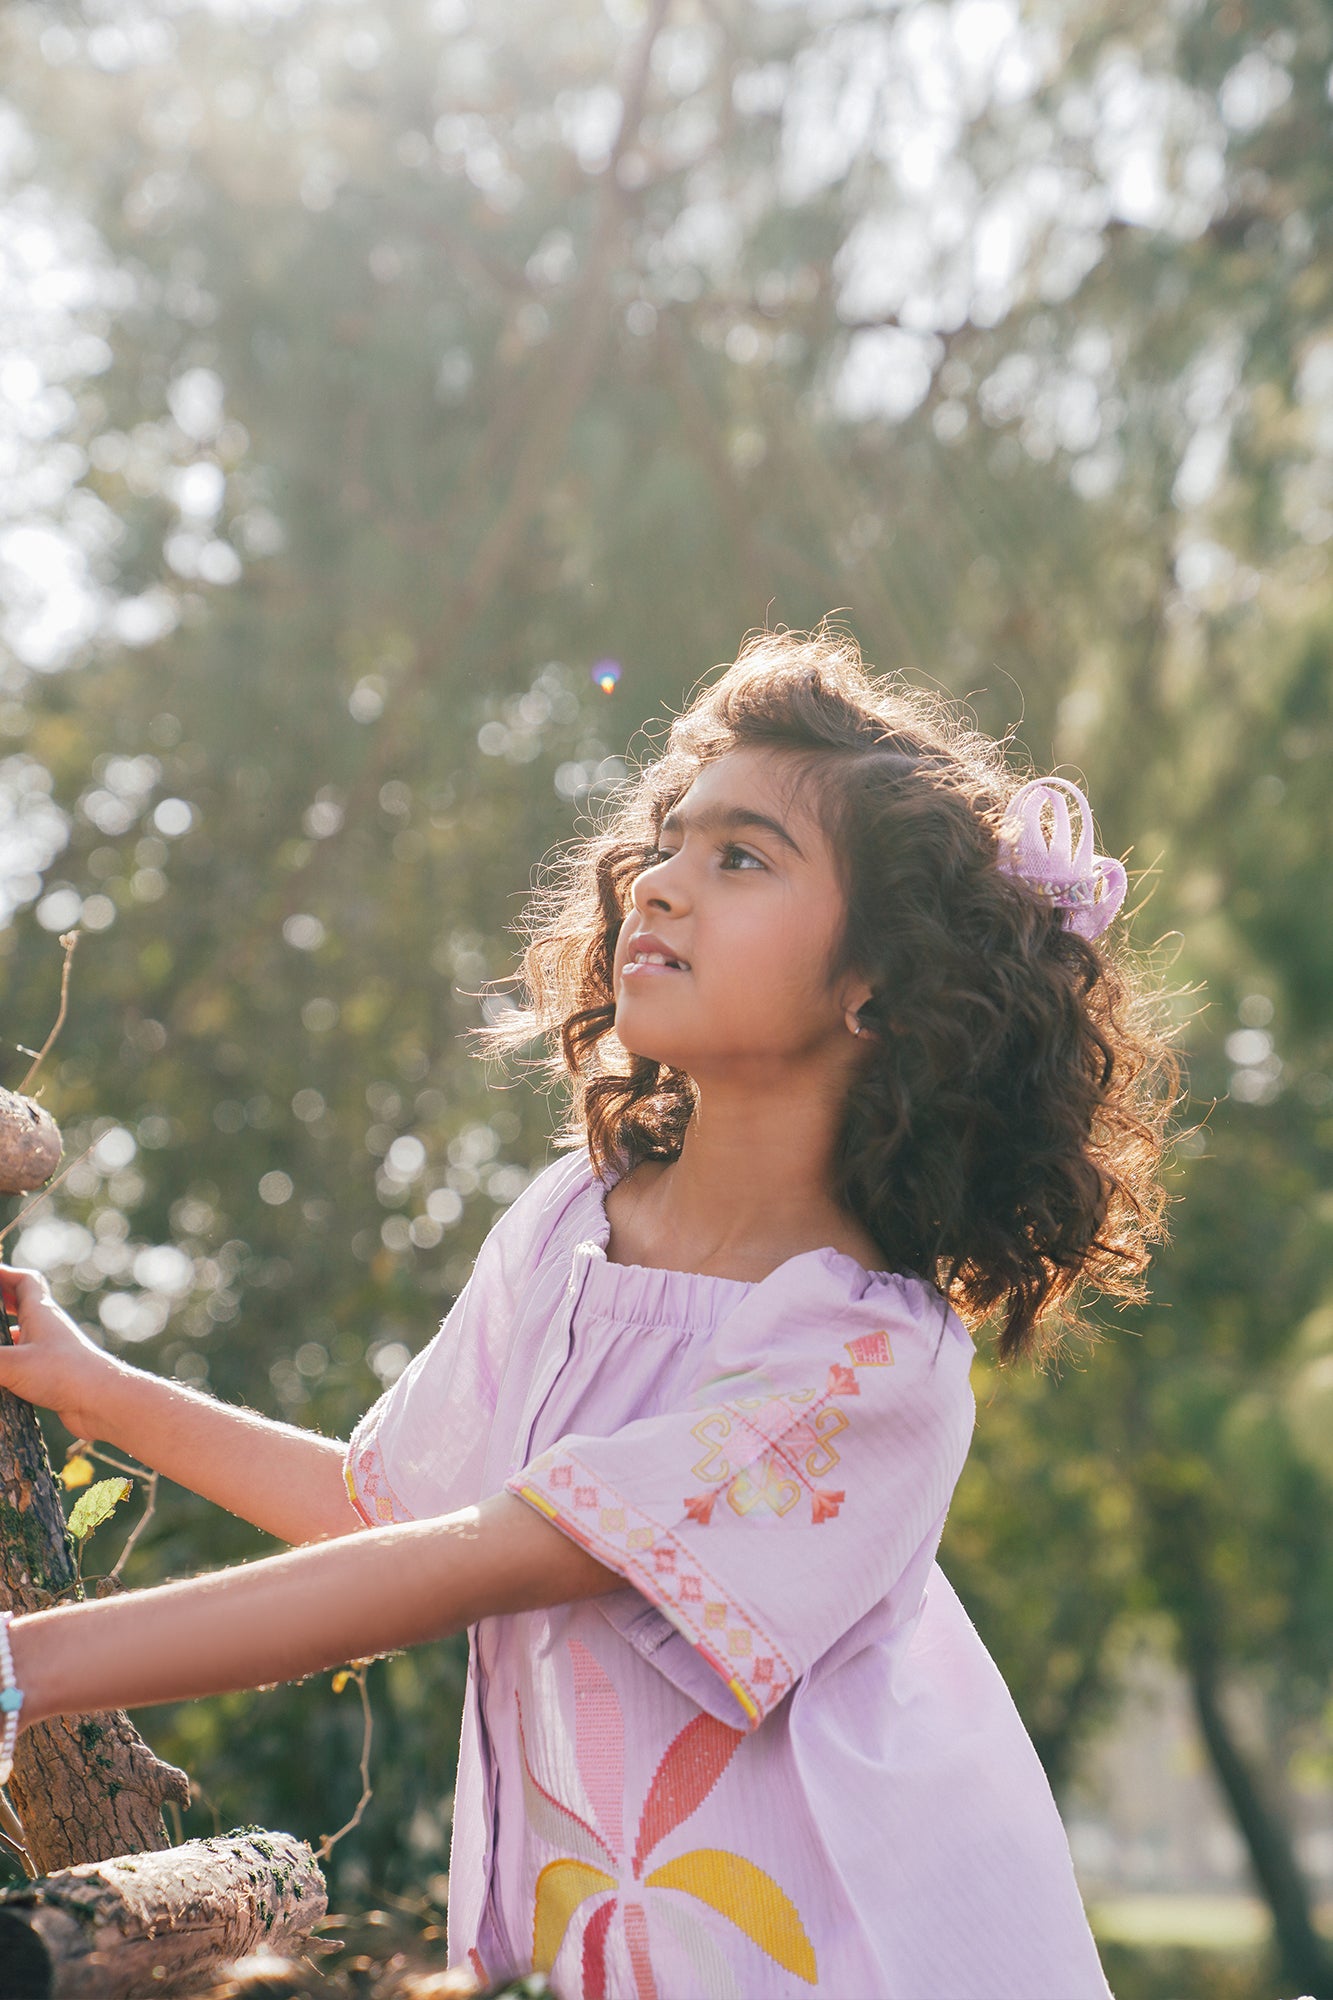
<point x="561" y="1887"/>
<point x="747" y="1898"/>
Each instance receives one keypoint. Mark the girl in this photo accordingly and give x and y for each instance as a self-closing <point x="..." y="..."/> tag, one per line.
<point x="850" y="1074"/>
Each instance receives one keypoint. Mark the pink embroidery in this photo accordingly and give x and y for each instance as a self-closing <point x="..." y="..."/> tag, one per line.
<point x="599" y="1737"/>
<point x="369" y="1486"/>
<point x="680" y="1586"/>
<point x="636" y="1934"/>
<point x="870" y="1350"/>
<point x="764" y="1452"/>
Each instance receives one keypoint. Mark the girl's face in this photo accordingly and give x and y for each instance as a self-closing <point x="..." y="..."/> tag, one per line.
<point x="744" y="897"/>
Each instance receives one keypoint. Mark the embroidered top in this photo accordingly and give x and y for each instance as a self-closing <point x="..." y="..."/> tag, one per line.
<point x="778" y="1760"/>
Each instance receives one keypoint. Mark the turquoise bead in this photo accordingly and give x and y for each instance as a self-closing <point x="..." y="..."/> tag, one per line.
<point x="11" y="1700"/>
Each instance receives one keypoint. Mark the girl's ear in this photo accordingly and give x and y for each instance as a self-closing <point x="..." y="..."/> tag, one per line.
<point x="857" y="998"/>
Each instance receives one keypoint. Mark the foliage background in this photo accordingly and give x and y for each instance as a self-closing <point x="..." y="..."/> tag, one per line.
<point x="371" y="374"/>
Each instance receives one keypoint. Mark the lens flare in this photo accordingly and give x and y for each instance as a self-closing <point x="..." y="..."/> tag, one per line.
<point x="606" y="675"/>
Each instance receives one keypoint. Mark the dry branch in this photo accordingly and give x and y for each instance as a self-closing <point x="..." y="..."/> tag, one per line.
<point x="157" y="1923"/>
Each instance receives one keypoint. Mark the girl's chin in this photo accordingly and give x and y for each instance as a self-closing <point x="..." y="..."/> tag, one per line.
<point x="638" y="1039"/>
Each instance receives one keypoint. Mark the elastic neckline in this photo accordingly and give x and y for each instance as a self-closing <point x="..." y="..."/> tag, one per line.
<point x="597" y="1191"/>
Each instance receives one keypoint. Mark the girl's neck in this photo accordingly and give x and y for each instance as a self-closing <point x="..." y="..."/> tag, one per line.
<point x="750" y="1188"/>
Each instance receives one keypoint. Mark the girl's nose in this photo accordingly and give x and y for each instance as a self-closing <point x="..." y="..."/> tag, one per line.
<point x="660" y="887"/>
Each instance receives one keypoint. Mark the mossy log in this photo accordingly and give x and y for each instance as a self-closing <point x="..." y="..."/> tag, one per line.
<point x="166" y="1922"/>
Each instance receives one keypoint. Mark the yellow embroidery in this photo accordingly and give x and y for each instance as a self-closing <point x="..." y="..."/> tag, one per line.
<point x="748" y="1898"/>
<point x="561" y="1887"/>
<point x="766" y="1451"/>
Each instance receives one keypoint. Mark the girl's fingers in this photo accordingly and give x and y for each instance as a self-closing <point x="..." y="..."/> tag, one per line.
<point x="13" y="1283"/>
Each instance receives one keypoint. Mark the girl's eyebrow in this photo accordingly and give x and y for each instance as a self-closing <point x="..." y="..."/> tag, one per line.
<point x="717" y="819"/>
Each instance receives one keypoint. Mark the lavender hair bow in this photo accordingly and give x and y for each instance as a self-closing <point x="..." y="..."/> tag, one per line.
<point x="1086" y="888"/>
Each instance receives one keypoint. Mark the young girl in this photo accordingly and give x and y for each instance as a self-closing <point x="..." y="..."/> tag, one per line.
<point x="850" y="1073"/>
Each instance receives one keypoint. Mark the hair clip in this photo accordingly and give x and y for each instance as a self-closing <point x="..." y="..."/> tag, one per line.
<point x="1086" y="888"/>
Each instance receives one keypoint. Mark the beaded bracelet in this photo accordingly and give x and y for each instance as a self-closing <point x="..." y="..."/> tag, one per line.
<point x="11" y="1701"/>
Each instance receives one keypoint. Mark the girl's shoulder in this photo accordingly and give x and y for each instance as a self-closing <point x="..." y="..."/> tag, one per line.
<point x="561" y="1200"/>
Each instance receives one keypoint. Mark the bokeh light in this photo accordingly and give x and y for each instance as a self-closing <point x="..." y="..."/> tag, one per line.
<point x="606" y="675"/>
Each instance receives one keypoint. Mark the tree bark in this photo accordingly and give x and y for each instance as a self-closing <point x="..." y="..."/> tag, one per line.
<point x="157" y="1923"/>
<point x="84" y="1786"/>
<point x="1306" y="1961"/>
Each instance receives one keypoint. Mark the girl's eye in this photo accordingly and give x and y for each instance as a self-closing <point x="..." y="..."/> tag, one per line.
<point x="736" y="856"/>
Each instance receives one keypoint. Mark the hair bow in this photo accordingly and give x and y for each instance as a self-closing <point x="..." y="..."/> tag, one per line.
<point x="1086" y="888"/>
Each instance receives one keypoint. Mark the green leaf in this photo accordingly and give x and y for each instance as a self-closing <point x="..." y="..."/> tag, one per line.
<point x="98" y="1504"/>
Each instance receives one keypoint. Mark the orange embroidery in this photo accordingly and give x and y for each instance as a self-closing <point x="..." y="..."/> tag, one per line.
<point x="766" y="1451"/>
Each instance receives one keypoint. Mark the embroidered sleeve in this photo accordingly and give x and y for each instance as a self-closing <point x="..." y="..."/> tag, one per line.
<point x="769" y="1516"/>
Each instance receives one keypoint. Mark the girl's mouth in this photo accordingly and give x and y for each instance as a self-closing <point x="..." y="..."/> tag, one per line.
<point x="649" y="955"/>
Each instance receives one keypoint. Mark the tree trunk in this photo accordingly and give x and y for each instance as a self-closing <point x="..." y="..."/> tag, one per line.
<point x="1305" y="1959"/>
<point x="157" y="1923"/>
<point x="84" y="1786"/>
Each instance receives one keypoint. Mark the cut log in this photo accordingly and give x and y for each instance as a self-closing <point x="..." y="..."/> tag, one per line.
<point x="142" y="1924"/>
<point x="84" y="1786"/>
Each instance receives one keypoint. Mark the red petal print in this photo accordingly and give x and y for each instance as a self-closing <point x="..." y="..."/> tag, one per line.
<point x="699" y="1507"/>
<point x="824" y="1505"/>
<point x="691" y="1765"/>
<point x="842" y="1382"/>
<point x="594" y="1950"/>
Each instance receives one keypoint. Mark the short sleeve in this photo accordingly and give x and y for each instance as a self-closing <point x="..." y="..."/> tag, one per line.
<point x="421" y="1450"/>
<point x="811" y="1466"/>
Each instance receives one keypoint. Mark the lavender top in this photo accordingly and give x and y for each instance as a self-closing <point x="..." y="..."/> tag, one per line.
<point x="778" y="1760"/>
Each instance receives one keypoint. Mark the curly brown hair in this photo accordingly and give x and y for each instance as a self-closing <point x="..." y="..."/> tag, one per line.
<point x="1005" y="1138"/>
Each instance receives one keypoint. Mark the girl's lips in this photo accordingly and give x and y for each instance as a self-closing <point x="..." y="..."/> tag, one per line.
<point x="645" y="968"/>
<point x="647" y="955"/>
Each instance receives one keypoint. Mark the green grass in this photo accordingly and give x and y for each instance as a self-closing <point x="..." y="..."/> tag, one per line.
<point x="1190" y="1947"/>
<point x="1213" y="1923"/>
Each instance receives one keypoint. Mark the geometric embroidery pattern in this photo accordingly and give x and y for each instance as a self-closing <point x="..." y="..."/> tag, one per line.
<point x="596" y="1859"/>
<point x="376" y="1502"/>
<point x="668" y="1572"/>
<point x="765" y="1453"/>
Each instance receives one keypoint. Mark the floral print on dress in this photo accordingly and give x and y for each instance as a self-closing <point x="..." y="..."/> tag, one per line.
<point x="646" y="1903"/>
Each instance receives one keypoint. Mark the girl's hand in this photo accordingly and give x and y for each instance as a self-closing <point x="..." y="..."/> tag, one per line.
<point x="53" y="1363"/>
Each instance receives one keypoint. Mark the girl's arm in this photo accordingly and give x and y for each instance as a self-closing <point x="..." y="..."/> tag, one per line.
<point x="298" y="1613"/>
<point x="285" y="1480"/>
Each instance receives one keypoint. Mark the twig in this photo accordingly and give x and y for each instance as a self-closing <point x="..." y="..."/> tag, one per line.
<point x="12" y="1837"/>
<point x="150" y="1506"/>
<point x="50" y="1188"/>
<point x="330" y="1841"/>
<point x="68" y="940"/>
<point x="198" y="1793"/>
